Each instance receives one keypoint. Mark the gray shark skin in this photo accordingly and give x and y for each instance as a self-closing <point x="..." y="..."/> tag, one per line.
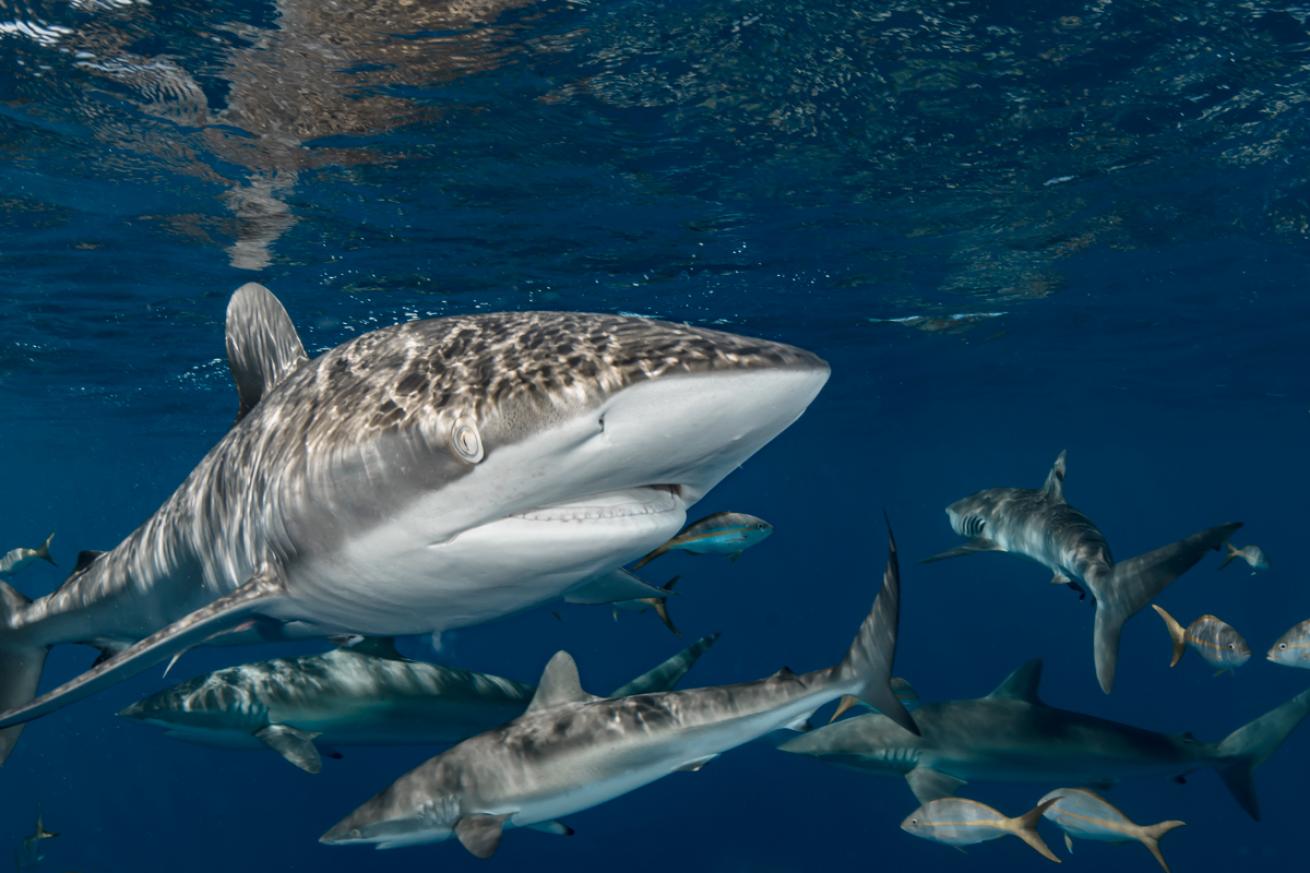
<point x="426" y="476"/>
<point x="571" y="751"/>
<point x="364" y="695"/>
<point x="1012" y="736"/>
<point x="1039" y="524"/>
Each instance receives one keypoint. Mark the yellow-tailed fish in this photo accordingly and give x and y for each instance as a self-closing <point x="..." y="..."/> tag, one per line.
<point x="16" y="559"/>
<point x="1088" y="816"/>
<point x="1293" y="647"/>
<point x="959" y="822"/>
<point x="723" y="533"/>
<point x="1253" y="555"/>
<point x="1212" y="638"/>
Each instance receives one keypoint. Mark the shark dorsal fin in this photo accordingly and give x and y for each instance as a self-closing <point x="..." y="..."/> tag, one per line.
<point x="559" y="684"/>
<point x="262" y="344"/>
<point x="1021" y="684"/>
<point x="1054" y="487"/>
<point x="85" y="559"/>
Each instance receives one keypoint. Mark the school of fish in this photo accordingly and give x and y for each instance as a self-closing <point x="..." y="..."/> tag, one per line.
<point x="519" y="756"/>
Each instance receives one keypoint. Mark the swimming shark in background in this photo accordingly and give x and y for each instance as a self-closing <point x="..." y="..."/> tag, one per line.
<point x="1039" y="524"/>
<point x="16" y="559"/>
<point x="367" y="694"/>
<point x="426" y="476"/>
<point x="723" y="533"/>
<point x="1012" y="736"/>
<point x="571" y="751"/>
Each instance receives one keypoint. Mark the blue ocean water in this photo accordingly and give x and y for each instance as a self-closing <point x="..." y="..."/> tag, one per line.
<point x="1011" y="228"/>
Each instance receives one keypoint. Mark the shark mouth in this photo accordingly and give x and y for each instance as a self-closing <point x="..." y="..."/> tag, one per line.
<point x="628" y="503"/>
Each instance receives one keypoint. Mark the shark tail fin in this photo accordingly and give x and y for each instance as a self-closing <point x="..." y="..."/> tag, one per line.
<point x="867" y="668"/>
<point x="43" y="551"/>
<point x="1150" y="836"/>
<point x="1134" y="583"/>
<point x="667" y="674"/>
<point x="1248" y="746"/>
<point x="1025" y="828"/>
<point x="20" y="666"/>
<point x="1177" y="634"/>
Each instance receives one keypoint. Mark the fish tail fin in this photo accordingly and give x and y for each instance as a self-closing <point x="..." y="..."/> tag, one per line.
<point x="1025" y="828"/>
<point x="661" y="606"/>
<point x="867" y="668"/>
<point x="1233" y="553"/>
<point x="1134" y="583"/>
<point x="43" y="551"/>
<point x="1150" y="837"/>
<point x="20" y="665"/>
<point x="1247" y="747"/>
<point x="1177" y="634"/>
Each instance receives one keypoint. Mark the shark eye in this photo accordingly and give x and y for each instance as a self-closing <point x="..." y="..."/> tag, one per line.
<point x="466" y="441"/>
<point x="1232" y="646"/>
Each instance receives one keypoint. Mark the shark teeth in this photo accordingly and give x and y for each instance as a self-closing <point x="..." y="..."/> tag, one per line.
<point x="648" y="500"/>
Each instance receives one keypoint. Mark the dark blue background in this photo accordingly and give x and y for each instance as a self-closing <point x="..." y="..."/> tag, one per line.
<point x="1122" y="190"/>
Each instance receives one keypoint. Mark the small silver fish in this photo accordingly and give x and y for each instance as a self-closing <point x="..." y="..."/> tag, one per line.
<point x="1253" y="555"/>
<point x="1088" y="816"/>
<point x="1212" y="638"/>
<point x="723" y="533"/>
<point x="30" y="853"/>
<point x="16" y="559"/>
<point x="1293" y="647"/>
<point x="956" y="821"/>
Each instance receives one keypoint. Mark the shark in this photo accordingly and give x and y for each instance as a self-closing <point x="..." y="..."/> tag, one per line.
<point x="430" y="475"/>
<point x="365" y="694"/>
<point x="571" y="751"/>
<point x="1011" y="735"/>
<point x="1041" y="525"/>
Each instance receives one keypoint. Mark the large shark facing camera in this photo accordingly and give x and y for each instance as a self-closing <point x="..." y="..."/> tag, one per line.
<point x="426" y="476"/>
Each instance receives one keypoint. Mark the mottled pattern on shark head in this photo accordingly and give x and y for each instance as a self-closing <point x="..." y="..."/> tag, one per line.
<point x="432" y="374"/>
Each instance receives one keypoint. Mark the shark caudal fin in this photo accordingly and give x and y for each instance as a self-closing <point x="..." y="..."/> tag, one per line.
<point x="1177" y="634"/>
<point x="1150" y="835"/>
<point x="20" y="666"/>
<point x="1134" y="583"/>
<point x="868" y="662"/>
<point x="1248" y="746"/>
<point x="664" y="676"/>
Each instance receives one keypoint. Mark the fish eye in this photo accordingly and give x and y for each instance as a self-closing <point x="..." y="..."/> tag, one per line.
<point x="1232" y="646"/>
<point x="1282" y="645"/>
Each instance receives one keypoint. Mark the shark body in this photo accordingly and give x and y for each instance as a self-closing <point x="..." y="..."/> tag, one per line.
<point x="363" y="695"/>
<point x="1041" y="525"/>
<point x="571" y="751"/>
<point x="1012" y="736"/>
<point x="402" y="482"/>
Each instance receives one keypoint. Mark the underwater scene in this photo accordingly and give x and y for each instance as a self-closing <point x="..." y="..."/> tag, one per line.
<point x="723" y="436"/>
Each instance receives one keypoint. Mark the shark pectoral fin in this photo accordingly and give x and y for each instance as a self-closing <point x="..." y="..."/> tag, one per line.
<point x="973" y="546"/>
<point x="262" y="344"/>
<point x="1068" y="842"/>
<point x="480" y="833"/>
<point x="929" y="784"/>
<point x="558" y="828"/>
<point x="696" y="765"/>
<point x="295" y="745"/>
<point x="263" y="589"/>
<point x="665" y="675"/>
